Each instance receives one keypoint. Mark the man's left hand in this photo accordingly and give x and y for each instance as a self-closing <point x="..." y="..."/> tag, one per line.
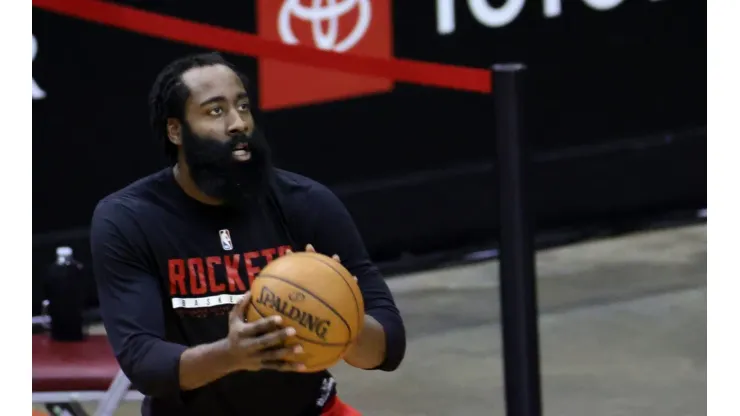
<point x="310" y="249"/>
<point x="368" y="349"/>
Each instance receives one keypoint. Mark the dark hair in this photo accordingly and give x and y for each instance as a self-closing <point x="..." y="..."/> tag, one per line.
<point x="168" y="95"/>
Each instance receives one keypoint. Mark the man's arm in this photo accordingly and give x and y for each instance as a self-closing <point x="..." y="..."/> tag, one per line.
<point x="369" y="350"/>
<point x="131" y="308"/>
<point x="382" y="342"/>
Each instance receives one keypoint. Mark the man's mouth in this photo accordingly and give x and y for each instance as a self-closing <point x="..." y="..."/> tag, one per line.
<point x="241" y="152"/>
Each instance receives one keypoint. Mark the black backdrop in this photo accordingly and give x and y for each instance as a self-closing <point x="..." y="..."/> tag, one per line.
<point x="616" y="105"/>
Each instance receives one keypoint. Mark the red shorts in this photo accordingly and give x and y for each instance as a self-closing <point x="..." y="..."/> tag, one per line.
<point x="336" y="407"/>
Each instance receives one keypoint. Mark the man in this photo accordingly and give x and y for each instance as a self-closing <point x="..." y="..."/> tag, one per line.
<point x="196" y="234"/>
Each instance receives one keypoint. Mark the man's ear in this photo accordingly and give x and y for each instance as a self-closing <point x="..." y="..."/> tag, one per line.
<point x="174" y="131"/>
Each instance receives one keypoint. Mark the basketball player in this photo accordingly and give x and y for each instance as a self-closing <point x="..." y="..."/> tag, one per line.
<point x="173" y="251"/>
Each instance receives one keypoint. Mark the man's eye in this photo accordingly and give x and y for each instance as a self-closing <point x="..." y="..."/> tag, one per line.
<point x="244" y="107"/>
<point x="216" y="111"/>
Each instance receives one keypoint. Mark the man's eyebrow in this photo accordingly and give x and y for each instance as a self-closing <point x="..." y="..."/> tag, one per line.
<point x="240" y="96"/>
<point x="213" y="100"/>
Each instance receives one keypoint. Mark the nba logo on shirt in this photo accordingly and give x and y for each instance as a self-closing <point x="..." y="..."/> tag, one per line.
<point x="226" y="240"/>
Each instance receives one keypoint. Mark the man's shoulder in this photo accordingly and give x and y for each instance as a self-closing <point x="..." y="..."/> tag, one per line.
<point x="305" y="198"/>
<point x="133" y="197"/>
<point x="296" y="186"/>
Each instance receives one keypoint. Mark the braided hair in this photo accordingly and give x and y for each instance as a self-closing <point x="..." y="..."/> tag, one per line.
<point x="168" y="95"/>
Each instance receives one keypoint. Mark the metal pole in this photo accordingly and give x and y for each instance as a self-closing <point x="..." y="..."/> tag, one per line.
<point x="517" y="257"/>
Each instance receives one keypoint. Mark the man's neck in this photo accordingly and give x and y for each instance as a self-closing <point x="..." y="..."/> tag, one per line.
<point x="183" y="178"/>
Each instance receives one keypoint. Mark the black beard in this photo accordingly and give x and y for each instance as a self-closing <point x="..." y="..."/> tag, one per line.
<point x="217" y="174"/>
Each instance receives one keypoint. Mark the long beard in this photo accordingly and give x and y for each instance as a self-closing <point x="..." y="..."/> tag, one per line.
<point x="217" y="174"/>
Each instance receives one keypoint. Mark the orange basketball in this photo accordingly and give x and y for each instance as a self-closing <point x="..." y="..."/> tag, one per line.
<point x="315" y="295"/>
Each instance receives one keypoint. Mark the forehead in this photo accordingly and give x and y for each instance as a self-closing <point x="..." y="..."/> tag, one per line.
<point x="212" y="81"/>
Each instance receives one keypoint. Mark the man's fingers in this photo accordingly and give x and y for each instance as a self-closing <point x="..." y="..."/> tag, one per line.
<point x="292" y="354"/>
<point x="311" y="249"/>
<point x="267" y="339"/>
<point x="261" y="326"/>
<point x="239" y="311"/>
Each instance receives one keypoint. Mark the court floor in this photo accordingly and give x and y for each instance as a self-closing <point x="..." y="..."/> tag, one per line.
<point x="622" y="327"/>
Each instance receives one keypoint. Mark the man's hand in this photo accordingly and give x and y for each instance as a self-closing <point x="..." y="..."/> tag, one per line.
<point x="368" y="349"/>
<point x="311" y="249"/>
<point x="260" y="345"/>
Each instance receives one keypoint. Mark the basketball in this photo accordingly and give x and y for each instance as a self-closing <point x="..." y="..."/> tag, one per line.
<point x="318" y="297"/>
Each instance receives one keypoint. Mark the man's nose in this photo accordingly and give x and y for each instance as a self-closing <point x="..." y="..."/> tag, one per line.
<point x="238" y="126"/>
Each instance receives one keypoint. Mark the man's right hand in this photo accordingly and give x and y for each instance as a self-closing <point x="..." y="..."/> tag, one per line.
<point x="260" y="345"/>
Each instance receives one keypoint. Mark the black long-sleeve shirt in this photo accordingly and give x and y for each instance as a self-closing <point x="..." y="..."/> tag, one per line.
<point x="169" y="269"/>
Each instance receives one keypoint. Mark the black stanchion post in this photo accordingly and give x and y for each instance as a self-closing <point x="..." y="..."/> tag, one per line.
<point x="517" y="257"/>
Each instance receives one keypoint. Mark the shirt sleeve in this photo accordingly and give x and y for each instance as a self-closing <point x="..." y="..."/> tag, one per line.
<point x="131" y="304"/>
<point x="333" y="231"/>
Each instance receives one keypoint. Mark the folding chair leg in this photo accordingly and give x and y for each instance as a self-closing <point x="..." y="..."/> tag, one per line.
<point x="113" y="397"/>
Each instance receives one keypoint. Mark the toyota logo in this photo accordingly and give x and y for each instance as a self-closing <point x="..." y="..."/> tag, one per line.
<point x="330" y="12"/>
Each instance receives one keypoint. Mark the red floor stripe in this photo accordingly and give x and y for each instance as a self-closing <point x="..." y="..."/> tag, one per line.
<point x="232" y="41"/>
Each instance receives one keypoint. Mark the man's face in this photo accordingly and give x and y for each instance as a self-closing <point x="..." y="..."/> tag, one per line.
<point x="228" y="158"/>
